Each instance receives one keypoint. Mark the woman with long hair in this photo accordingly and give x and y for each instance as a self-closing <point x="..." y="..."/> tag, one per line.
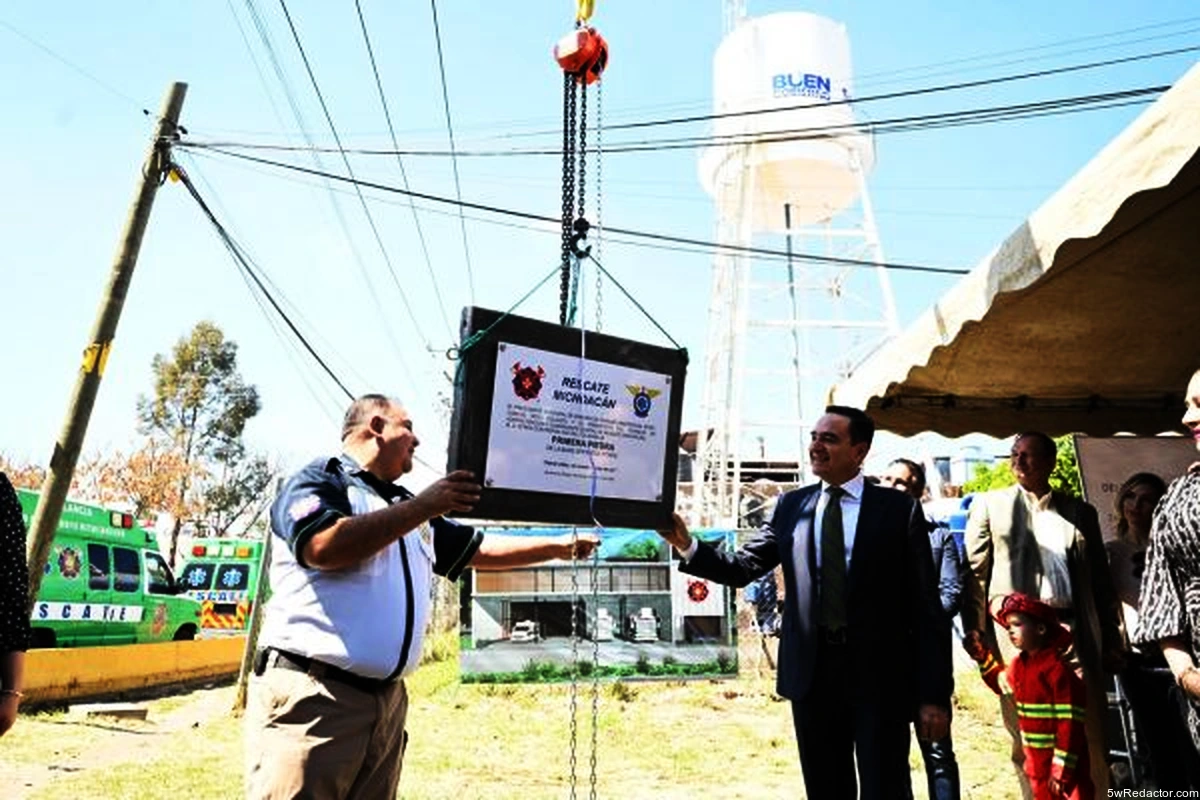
<point x="1145" y="679"/>
<point x="1169" y="605"/>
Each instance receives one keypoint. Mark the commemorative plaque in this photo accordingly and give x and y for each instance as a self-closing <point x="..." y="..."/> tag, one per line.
<point x="566" y="426"/>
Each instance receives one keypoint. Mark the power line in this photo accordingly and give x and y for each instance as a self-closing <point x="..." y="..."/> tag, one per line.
<point x="639" y="110"/>
<point x="661" y="237"/>
<point x="920" y="122"/>
<point x="950" y="87"/>
<point x="366" y="212"/>
<point x="350" y="171"/>
<point x="856" y="101"/>
<point x="403" y="173"/>
<point x="294" y="352"/>
<point x="280" y="75"/>
<point x="437" y="34"/>
<point x="260" y="280"/>
<point x="108" y="87"/>
<point x="244" y="264"/>
<point x="934" y="70"/>
<point x="262" y="78"/>
<point x="542" y="229"/>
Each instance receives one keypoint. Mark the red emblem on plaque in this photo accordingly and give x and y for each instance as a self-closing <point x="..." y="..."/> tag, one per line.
<point x="697" y="591"/>
<point x="527" y="381"/>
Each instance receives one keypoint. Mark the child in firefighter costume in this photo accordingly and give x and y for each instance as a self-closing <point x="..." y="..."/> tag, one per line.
<point x="1049" y="696"/>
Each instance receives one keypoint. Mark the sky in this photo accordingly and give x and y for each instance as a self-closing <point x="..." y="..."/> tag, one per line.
<point x="77" y="78"/>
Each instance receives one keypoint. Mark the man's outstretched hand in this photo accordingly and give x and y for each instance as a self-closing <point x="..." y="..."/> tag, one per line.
<point x="458" y="491"/>
<point x="677" y="535"/>
<point x="585" y="545"/>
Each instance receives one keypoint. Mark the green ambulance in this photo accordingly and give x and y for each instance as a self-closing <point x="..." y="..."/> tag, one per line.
<point x="105" y="583"/>
<point x="223" y="574"/>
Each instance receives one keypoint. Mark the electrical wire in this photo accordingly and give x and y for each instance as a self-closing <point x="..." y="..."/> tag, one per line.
<point x="294" y="353"/>
<point x="262" y="78"/>
<point x="247" y="269"/>
<point x="659" y="237"/>
<point x="437" y="33"/>
<point x="108" y="87"/>
<point x="387" y="114"/>
<point x="907" y="124"/>
<point x="350" y="171"/>
<point x="949" y="87"/>
<point x="281" y="76"/>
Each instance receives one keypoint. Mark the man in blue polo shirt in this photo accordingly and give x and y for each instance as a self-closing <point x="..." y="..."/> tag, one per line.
<point x="351" y="578"/>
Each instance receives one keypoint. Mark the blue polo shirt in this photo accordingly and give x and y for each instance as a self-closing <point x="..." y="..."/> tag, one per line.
<point x="369" y="618"/>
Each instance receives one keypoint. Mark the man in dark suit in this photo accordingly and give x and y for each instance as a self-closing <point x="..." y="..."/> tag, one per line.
<point x="864" y="645"/>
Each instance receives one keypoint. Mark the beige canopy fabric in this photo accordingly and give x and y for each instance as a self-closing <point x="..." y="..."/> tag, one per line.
<point x="1086" y="319"/>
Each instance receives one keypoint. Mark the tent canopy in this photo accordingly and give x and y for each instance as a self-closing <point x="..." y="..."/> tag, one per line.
<point x="1084" y="320"/>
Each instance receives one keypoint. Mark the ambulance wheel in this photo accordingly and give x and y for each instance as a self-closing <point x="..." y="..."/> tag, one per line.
<point x="185" y="634"/>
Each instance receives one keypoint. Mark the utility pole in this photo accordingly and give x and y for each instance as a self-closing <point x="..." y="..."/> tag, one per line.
<point x="95" y="355"/>
<point x="256" y="615"/>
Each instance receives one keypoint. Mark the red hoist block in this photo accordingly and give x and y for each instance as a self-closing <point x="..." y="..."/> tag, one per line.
<point x="582" y="53"/>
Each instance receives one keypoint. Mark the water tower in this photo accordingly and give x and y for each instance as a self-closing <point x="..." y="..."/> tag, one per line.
<point x="787" y="172"/>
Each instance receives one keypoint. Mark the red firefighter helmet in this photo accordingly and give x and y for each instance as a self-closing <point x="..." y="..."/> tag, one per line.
<point x="582" y="53"/>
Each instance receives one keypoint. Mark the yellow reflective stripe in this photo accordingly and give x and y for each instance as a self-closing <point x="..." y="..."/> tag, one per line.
<point x="1064" y="758"/>
<point x="1042" y="741"/>
<point x="1035" y="714"/>
<point x="1050" y="711"/>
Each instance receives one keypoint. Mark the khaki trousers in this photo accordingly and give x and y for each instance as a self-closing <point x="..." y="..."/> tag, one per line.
<point x="320" y="739"/>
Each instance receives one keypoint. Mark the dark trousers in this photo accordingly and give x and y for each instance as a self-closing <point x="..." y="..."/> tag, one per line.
<point x="835" y="724"/>
<point x="941" y="768"/>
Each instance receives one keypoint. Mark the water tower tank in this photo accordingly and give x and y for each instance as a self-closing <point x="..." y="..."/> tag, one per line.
<point x="799" y="62"/>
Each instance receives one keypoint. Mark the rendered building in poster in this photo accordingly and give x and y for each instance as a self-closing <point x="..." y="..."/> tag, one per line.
<point x="633" y="608"/>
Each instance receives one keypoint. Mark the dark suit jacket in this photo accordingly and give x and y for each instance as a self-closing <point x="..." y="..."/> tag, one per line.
<point x="898" y="636"/>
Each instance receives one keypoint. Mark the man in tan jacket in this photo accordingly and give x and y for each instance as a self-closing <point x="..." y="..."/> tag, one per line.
<point x="1048" y="545"/>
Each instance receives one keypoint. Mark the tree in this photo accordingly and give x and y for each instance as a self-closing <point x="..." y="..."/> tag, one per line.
<point x="149" y="477"/>
<point x="1064" y="478"/>
<point x="199" y="411"/>
<point x="22" y="476"/>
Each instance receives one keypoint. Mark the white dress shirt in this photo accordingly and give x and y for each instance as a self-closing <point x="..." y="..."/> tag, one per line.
<point x="1053" y="536"/>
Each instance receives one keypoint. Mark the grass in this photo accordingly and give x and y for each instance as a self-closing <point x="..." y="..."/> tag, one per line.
<point x="661" y="739"/>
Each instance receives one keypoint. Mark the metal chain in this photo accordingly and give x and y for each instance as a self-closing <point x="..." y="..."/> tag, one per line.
<point x="596" y="554"/>
<point x="574" y="654"/>
<point x="568" y="192"/>
<point x="598" y="247"/>
<point x="581" y="173"/>
<point x="595" y="668"/>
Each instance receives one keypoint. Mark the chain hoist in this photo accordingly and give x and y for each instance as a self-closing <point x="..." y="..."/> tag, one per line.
<point x="583" y="55"/>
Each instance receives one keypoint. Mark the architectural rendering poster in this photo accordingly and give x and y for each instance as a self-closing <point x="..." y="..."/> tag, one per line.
<point x="634" y="609"/>
<point x="571" y="425"/>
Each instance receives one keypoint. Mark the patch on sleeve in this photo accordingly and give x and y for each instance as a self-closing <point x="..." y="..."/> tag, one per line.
<point x="303" y="506"/>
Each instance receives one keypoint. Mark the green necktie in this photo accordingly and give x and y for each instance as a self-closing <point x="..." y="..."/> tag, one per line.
<point x="832" y="608"/>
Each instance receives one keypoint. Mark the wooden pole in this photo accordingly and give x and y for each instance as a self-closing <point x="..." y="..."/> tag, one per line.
<point x="95" y="355"/>
<point x="260" y="599"/>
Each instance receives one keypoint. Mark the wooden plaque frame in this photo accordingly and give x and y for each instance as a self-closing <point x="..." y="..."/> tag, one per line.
<point x="470" y="426"/>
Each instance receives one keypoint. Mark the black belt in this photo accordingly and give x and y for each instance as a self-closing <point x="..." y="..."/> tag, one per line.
<point x="281" y="659"/>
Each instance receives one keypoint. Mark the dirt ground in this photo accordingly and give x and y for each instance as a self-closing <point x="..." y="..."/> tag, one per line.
<point x="48" y="746"/>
